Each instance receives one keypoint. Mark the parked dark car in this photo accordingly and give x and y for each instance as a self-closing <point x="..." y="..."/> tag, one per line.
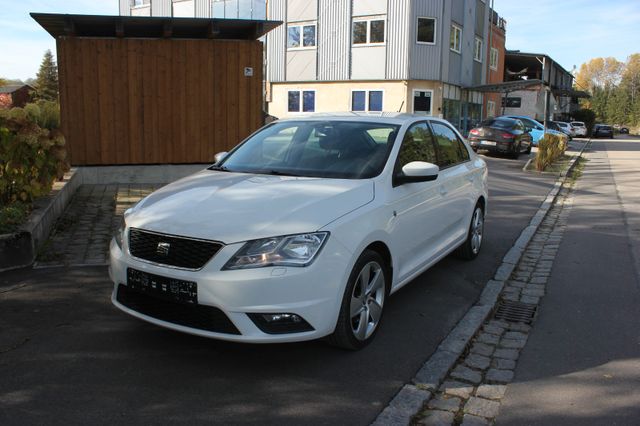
<point x="502" y="135"/>
<point x="602" y="131"/>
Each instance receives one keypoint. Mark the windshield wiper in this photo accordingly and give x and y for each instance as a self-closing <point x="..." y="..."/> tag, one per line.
<point x="277" y="173"/>
<point x="219" y="168"/>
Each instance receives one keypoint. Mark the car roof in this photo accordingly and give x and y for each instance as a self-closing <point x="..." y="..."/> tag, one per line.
<point x="371" y="117"/>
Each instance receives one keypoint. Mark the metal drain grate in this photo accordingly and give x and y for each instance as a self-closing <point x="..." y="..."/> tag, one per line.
<point x="515" y="311"/>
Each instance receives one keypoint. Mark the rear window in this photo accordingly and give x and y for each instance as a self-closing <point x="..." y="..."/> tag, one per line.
<point x="577" y="124"/>
<point x="501" y="123"/>
<point x="605" y="127"/>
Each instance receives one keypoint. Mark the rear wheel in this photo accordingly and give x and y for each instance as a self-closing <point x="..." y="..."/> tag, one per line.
<point x="471" y="247"/>
<point x="362" y="303"/>
<point x="516" y="151"/>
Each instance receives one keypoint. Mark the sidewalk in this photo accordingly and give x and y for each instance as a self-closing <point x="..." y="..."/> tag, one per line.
<point x="581" y="364"/>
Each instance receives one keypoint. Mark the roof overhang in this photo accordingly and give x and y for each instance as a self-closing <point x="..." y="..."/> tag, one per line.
<point x="103" y="26"/>
<point x="508" y="86"/>
<point x="570" y="93"/>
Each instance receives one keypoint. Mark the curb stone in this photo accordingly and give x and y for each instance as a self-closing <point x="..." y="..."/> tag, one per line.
<point x="439" y="365"/>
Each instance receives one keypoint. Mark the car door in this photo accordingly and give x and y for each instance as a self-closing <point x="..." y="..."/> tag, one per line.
<point x="418" y="222"/>
<point x="456" y="184"/>
<point x="535" y="129"/>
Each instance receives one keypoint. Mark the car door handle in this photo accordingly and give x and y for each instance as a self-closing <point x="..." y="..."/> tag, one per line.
<point x="471" y="178"/>
<point x="443" y="190"/>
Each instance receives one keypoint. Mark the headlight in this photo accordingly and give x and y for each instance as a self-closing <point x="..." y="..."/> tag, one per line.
<point x="118" y="235"/>
<point x="289" y="250"/>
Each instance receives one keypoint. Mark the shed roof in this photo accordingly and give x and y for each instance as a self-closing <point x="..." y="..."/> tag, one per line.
<point x="62" y="25"/>
<point x="10" y="88"/>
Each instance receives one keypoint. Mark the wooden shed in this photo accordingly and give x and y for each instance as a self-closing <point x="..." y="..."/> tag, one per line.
<point x="156" y="90"/>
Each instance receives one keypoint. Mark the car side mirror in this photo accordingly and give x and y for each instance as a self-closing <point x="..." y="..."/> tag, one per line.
<point x="219" y="156"/>
<point x="416" y="171"/>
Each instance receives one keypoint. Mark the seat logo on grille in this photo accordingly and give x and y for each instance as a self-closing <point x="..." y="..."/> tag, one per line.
<point x="163" y="249"/>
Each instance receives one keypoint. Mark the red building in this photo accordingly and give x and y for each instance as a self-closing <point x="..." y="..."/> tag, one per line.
<point x="15" y="95"/>
<point x="496" y="55"/>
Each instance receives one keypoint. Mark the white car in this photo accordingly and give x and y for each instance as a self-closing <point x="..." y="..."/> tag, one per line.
<point x="566" y="128"/>
<point x="303" y="230"/>
<point x="579" y="128"/>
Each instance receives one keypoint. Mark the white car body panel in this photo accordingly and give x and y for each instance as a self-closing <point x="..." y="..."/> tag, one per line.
<point x="419" y="223"/>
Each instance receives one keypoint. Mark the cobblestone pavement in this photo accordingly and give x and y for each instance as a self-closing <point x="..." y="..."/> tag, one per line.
<point x="82" y="234"/>
<point x="471" y="393"/>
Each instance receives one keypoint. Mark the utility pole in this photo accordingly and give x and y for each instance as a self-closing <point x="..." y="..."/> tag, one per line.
<point x="546" y="93"/>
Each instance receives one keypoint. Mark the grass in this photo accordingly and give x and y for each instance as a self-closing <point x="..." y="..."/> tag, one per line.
<point x="12" y="216"/>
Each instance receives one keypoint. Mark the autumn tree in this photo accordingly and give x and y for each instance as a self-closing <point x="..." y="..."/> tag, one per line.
<point x="604" y="73"/>
<point x="47" y="79"/>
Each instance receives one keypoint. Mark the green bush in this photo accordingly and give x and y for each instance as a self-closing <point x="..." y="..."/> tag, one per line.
<point x="12" y="216"/>
<point x="550" y="149"/>
<point x="32" y="152"/>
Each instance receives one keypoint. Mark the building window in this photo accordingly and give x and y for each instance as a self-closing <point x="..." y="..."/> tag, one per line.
<point x="455" y="41"/>
<point x="302" y="101"/>
<point x="477" y="52"/>
<point x="366" y="100"/>
<point x="136" y="3"/>
<point x="514" y="102"/>
<point x="491" y="109"/>
<point x="426" y="30"/>
<point x="301" y="36"/>
<point x="422" y="101"/>
<point x="493" y="59"/>
<point x="368" y="31"/>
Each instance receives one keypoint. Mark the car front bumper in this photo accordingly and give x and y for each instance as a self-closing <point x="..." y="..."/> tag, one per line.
<point x="314" y="293"/>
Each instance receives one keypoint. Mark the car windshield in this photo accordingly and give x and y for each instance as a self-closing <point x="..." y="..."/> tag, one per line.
<point x="500" y="123"/>
<point x="328" y="149"/>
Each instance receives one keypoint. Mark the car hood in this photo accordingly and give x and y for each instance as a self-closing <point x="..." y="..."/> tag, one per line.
<point x="234" y="207"/>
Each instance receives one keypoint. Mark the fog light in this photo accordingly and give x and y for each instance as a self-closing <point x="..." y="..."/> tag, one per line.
<point x="281" y="318"/>
<point x="280" y="323"/>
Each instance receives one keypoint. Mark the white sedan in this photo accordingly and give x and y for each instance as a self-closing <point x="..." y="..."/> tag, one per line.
<point x="303" y="230"/>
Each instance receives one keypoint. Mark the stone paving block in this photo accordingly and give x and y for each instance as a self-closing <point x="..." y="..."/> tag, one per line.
<point x="515" y="335"/>
<point x="493" y="330"/>
<point x="435" y="369"/>
<point x="445" y="403"/>
<point x="513" y="297"/>
<point x="518" y="326"/>
<point x="482" y="407"/>
<point x="403" y="406"/>
<point x="436" y="418"/>
<point x="532" y="292"/>
<point x="531" y="300"/>
<point x="503" y="364"/>
<point x="491" y="391"/>
<point x="499" y="323"/>
<point x="507" y="354"/>
<point x="499" y="376"/>
<point x="468" y="375"/>
<point x="482" y="349"/>
<point x="538" y="280"/>
<point x="477" y="361"/>
<point x="452" y="387"/>
<point x="490" y="339"/>
<point x="513" y="343"/>
<point x="471" y="420"/>
<point x="516" y="284"/>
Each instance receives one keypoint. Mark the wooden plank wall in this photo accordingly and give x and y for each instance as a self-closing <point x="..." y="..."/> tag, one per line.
<point x="149" y="101"/>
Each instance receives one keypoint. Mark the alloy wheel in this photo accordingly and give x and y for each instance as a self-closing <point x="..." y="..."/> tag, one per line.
<point x="477" y="225"/>
<point x="367" y="300"/>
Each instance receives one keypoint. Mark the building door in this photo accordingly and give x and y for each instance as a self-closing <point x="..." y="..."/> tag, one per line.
<point x="422" y="102"/>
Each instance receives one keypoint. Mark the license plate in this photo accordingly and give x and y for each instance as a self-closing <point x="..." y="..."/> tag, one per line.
<point x="162" y="287"/>
<point x="489" y="143"/>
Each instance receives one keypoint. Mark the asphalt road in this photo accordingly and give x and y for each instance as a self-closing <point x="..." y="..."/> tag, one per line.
<point x="67" y="356"/>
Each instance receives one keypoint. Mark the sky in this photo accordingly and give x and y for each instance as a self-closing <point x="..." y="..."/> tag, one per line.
<point x="569" y="31"/>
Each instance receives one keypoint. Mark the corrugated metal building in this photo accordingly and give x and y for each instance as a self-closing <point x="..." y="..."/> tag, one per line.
<point x="371" y="55"/>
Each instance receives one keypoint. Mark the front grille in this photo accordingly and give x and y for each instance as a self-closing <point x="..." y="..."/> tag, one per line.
<point x="200" y="317"/>
<point x="170" y="249"/>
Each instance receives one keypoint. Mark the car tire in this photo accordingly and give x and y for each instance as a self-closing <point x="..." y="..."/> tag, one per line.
<point x="516" y="152"/>
<point x="528" y="151"/>
<point x="470" y="249"/>
<point x="364" y="298"/>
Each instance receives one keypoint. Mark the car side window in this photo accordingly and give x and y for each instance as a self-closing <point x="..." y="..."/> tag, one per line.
<point x="417" y="145"/>
<point x="451" y="149"/>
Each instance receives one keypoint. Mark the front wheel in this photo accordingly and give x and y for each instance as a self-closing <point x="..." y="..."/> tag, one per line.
<point x="471" y="247"/>
<point x="362" y="303"/>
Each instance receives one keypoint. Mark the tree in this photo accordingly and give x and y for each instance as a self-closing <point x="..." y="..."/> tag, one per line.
<point x="604" y="73"/>
<point x="47" y="79"/>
